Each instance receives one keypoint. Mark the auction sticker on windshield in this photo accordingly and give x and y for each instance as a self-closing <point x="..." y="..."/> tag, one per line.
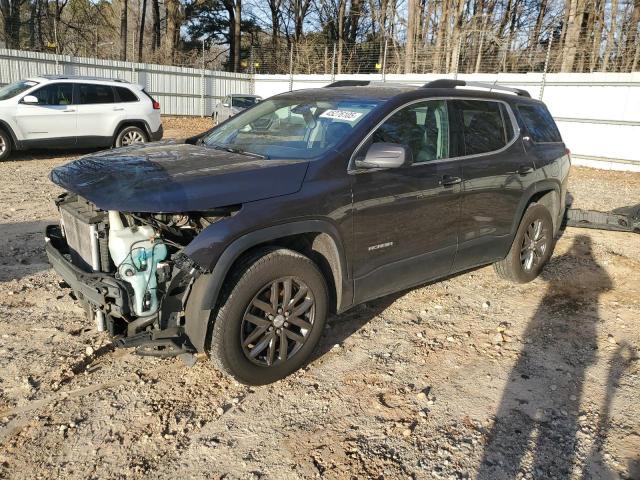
<point x="341" y="115"/>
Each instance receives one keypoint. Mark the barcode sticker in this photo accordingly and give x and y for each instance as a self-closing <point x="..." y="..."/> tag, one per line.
<point x="341" y="115"/>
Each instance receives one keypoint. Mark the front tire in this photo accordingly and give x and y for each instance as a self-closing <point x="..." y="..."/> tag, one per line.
<point x="270" y="318"/>
<point x="5" y="145"/>
<point x="130" y="136"/>
<point x="532" y="246"/>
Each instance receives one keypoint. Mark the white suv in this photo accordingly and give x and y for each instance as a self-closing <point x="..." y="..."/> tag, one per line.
<point x="67" y="111"/>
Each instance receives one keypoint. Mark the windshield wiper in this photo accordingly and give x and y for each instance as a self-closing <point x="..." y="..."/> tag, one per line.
<point x="239" y="151"/>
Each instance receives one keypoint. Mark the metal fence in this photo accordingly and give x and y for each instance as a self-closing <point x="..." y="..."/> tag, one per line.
<point x="180" y="90"/>
<point x="598" y="113"/>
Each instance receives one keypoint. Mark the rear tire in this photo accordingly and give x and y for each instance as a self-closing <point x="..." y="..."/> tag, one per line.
<point x="532" y="246"/>
<point x="270" y="318"/>
<point x="130" y="136"/>
<point x="5" y="145"/>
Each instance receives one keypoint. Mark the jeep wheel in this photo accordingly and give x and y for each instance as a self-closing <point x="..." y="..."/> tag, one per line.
<point x="130" y="136"/>
<point x="270" y="318"/>
<point x="531" y="248"/>
<point x="5" y="145"/>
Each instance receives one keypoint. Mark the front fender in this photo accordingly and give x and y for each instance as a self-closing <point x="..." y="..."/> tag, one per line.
<point x="207" y="287"/>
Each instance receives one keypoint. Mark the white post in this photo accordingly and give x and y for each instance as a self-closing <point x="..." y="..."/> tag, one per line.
<point x="384" y="61"/>
<point x="546" y="67"/>
<point x="202" y="84"/>
<point x="291" y="68"/>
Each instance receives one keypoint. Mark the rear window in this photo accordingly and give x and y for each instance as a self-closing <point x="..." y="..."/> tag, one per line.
<point x="92" y="94"/>
<point x="126" y="95"/>
<point x="539" y="123"/>
<point x="485" y="126"/>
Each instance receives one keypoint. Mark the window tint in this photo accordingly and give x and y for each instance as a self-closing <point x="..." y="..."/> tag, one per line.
<point x="55" y="94"/>
<point x="539" y="123"/>
<point x="244" y="102"/>
<point x="90" y="94"/>
<point x="126" y="95"/>
<point x="423" y="127"/>
<point x="483" y="126"/>
<point x="13" y="89"/>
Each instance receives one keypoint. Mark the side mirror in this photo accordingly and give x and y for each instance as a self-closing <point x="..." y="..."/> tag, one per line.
<point x="32" y="99"/>
<point x="225" y="104"/>
<point x="387" y="155"/>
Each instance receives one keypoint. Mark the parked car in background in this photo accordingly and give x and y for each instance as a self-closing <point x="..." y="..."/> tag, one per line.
<point x="232" y="105"/>
<point x="69" y="111"/>
<point x="242" y="240"/>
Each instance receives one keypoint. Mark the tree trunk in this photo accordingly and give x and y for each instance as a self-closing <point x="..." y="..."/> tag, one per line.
<point x="142" y="23"/>
<point x="574" y="24"/>
<point x="442" y="28"/>
<point x="411" y="35"/>
<point x="598" y="24"/>
<point x="632" y="47"/>
<point x="534" y="40"/>
<point x="155" y="9"/>
<point x="173" y="32"/>
<point x="610" y="35"/>
<point x="236" y="35"/>
<point x="124" y="14"/>
<point x="342" y="5"/>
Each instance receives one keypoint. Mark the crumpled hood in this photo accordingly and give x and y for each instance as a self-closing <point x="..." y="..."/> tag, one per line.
<point x="168" y="177"/>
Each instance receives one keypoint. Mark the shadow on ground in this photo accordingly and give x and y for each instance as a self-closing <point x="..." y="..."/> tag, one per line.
<point x="537" y="418"/>
<point x="22" y="249"/>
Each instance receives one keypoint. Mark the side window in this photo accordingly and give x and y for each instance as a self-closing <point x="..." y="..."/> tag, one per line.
<point x="55" y="94"/>
<point x="92" y="94"/>
<point x="539" y="123"/>
<point x="423" y="127"/>
<point x="126" y="95"/>
<point x="485" y="126"/>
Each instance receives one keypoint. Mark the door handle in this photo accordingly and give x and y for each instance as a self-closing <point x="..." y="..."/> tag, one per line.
<point x="448" y="180"/>
<point x="524" y="170"/>
<point x="118" y="109"/>
<point x="69" y="110"/>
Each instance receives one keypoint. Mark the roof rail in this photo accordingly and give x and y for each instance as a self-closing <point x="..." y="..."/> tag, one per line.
<point x="82" y="77"/>
<point x="447" y="83"/>
<point x="348" y="83"/>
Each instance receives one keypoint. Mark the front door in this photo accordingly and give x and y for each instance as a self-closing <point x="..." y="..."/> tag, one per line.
<point x="53" y="118"/>
<point x="406" y="219"/>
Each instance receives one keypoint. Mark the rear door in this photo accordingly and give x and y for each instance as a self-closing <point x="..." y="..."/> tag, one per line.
<point x="53" y="118"/>
<point x="98" y="113"/>
<point x="406" y="219"/>
<point x="496" y="173"/>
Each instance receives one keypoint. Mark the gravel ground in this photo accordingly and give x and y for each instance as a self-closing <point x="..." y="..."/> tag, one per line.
<point x="469" y="377"/>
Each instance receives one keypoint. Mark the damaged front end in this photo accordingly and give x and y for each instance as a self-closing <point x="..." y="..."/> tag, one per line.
<point x="129" y="271"/>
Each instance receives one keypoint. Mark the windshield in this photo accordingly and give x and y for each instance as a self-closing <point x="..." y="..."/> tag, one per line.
<point x="291" y="128"/>
<point x="16" y="88"/>
<point x="244" y="102"/>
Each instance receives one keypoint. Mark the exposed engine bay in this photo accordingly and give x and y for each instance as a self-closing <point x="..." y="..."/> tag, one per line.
<point x="134" y="261"/>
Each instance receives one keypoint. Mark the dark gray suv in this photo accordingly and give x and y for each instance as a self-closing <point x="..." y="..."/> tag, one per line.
<point x="240" y="241"/>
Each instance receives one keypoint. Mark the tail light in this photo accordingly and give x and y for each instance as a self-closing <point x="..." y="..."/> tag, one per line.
<point x="156" y="105"/>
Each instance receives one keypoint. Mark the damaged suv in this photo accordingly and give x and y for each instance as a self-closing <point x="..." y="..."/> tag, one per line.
<point x="240" y="241"/>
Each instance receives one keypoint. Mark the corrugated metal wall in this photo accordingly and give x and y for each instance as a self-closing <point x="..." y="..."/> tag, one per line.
<point x="180" y="90"/>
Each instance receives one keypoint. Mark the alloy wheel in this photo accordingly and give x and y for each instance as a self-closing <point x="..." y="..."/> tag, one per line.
<point x="132" y="137"/>
<point x="534" y="245"/>
<point x="3" y="145"/>
<point x="277" y="322"/>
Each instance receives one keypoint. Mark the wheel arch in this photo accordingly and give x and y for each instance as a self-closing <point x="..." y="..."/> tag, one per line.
<point x="142" y="124"/>
<point x="547" y="193"/>
<point x="7" y="128"/>
<point x="318" y="240"/>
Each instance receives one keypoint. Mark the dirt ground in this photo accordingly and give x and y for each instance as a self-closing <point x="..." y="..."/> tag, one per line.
<point x="469" y="377"/>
